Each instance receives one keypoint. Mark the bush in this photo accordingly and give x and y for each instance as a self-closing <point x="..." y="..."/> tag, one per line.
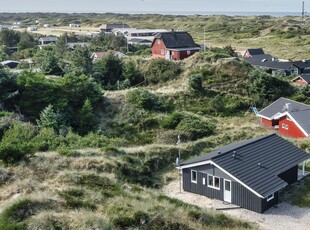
<point x="16" y="144"/>
<point x="12" y="217"/>
<point x="144" y="99"/>
<point x="172" y="121"/>
<point x="195" y="83"/>
<point x="95" y="182"/>
<point x="139" y="218"/>
<point x="74" y="198"/>
<point x="269" y="88"/>
<point x="196" y="127"/>
<point x="160" y="70"/>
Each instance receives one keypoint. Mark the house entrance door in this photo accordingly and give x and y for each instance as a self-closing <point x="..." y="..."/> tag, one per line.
<point x="227" y="191"/>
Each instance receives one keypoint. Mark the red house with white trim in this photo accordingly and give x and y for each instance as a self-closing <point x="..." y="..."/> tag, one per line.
<point x="174" y="45"/>
<point x="290" y="117"/>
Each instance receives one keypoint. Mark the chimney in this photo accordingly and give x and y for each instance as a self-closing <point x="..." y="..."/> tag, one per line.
<point x="288" y="107"/>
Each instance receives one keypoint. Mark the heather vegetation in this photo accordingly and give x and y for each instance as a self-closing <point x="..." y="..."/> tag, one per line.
<point x="89" y="144"/>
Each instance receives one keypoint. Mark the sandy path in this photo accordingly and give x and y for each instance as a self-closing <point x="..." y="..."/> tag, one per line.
<point x="283" y="216"/>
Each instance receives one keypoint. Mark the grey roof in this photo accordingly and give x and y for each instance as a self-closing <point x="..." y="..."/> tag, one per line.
<point x="277" y="65"/>
<point x="48" y="39"/>
<point x="278" y="105"/>
<point x="177" y="39"/>
<point x="139" y="40"/>
<point x="221" y="150"/>
<point x="306" y="77"/>
<point x="302" y="117"/>
<point x="256" y="51"/>
<point x="265" y="60"/>
<point x="302" y="64"/>
<point x="275" y="155"/>
<point x="259" y="58"/>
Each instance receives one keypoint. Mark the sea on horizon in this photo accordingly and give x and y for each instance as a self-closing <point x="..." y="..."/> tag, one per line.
<point x="186" y="13"/>
<point x="227" y="13"/>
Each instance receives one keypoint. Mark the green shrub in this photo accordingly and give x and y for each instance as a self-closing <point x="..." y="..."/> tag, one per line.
<point x="12" y="217"/>
<point x="47" y="139"/>
<point x="172" y="121"/>
<point x="16" y="144"/>
<point x="198" y="128"/>
<point x="269" y="88"/>
<point x="144" y="99"/>
<point x="136" y="172"/>
<point x="94" y="182"/>
<point x="195" y="83"/>
<point x="139" y="218"/>
<point x="160" y="70"/>
<point x="74" y="198"/>
<point x="63" y="151"/>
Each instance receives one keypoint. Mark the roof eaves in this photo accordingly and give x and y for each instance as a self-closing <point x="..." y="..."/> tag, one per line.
<point x="271" y="105"/>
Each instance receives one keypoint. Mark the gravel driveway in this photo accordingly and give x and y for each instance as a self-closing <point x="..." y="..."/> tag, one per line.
<point x="283" y="216"/>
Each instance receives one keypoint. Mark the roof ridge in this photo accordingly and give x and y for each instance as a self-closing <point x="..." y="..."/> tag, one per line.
<point x="300" y="110"/>
<point x="255" y="140"/>
<point x="285" y="99"/>
<point x="296" y="101"/>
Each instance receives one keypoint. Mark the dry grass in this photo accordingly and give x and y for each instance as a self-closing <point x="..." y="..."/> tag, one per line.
<point x="59" y="30"/>
<point x="80" y="193"/>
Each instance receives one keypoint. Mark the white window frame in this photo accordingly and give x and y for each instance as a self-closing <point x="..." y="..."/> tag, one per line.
<point x="283" y="126"/>
<point x="188" y="52"/>
<point x="158" y="41"/>
<point x="286" y="127"/>
<point x="162" y="52"/>
<point x="270" y="197"/>
<point x="194" y="181"/>
<point x="213" y="182"/>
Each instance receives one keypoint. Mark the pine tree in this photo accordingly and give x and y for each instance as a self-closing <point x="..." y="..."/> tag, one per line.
<point x="87" y="118"/>
<point x="48" y="118"/>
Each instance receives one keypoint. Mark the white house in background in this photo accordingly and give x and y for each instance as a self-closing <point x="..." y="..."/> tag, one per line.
<point x="133" y="33"/>
<point x="47" y="40"/>
<point x="98" y="55"/>
<point x="74" y="25"/>
<point x="47" y="26"/>
<point x="30" y="28"/>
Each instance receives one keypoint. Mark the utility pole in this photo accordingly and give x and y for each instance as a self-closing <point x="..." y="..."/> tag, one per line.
<point x="303" y="11"/>
<point x="204" y="38"/>
<point x="179" y="162"/>
<point x="125" y="37"/>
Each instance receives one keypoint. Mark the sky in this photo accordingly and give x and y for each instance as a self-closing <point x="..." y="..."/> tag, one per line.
<point x="102" y="6"/>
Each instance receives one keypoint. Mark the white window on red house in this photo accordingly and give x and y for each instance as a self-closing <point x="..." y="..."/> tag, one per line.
<point x="188" y="52"/>
<point x="162" y="52"/>
<point x="158" y="41"/>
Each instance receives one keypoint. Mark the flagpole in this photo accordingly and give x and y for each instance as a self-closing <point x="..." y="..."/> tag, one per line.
<point x="179" y="162"/>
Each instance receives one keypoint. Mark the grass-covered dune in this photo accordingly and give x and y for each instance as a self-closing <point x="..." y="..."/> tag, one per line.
<point x="284" y="37"/>
<point x="89" y="190"/>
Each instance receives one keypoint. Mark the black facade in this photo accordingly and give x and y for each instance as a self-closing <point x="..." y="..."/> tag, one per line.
<point x="240" y="195"/>
<point x="248" y="173"/>
<point x="290" y="176"/>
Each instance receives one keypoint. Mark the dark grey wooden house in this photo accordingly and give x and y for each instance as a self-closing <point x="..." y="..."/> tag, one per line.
<point x="249" y="173"/>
